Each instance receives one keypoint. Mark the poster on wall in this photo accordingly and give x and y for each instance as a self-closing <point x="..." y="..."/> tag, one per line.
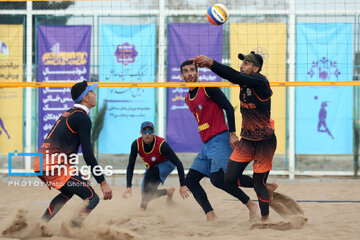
<point x="11" y="99"/>
<point x="63" y="56"/>
<point x="127" y="54"/>
<point x="268" y="40"/>
<point x="323" y="124"/>
<point x="186" y="40"/>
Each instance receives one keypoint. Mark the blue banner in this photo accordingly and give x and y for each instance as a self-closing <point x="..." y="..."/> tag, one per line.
<point x="127" y="54"/>
<point x="324" y="52"/>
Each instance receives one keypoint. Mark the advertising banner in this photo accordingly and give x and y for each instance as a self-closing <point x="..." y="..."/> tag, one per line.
<point x="268" y="40"/>
<point x="11" y="99"/>
<point x="324" y="52"/>
<point x="63" y="56"/>
<point x="187" y="40"/>
<point x="127" y="54"/>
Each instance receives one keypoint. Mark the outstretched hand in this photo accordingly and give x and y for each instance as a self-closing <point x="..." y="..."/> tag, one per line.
<point x="202" y="61"/>
<point x="184" y="192"/>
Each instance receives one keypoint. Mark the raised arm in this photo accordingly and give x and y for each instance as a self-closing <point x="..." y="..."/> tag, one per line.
<point x="226" y="72"/>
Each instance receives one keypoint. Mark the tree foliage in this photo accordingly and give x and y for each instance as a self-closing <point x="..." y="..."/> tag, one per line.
<point x="98" y="124"/>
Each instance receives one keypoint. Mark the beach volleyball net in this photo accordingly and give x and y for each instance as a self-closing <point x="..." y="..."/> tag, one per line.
<point x="134" y="49"/>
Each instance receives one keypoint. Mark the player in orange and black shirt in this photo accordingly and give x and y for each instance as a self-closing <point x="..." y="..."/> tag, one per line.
<point x="160" y="161"/>
<point x="258" y="140"/>
<point x="71" y="131"/>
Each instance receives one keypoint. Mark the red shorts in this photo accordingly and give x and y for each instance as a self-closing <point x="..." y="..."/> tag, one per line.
<point x="262" y="152"/>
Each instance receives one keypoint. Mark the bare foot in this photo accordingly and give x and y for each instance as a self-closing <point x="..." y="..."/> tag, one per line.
<point x="254" y="210"/>
<point x="271" y="187"/>
<point x="211" y="216"/>
<point x="264" y="218"/>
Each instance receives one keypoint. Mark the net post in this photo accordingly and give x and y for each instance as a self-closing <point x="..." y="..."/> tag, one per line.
<point x="291" y="63"/>
<point x="29" y="65"/>
<point x="161" y="70"/>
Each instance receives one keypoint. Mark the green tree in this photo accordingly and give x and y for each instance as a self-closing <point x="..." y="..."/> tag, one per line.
<point x="98" y="124"/>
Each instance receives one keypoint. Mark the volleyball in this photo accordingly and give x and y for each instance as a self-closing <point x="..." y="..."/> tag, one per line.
<point x="217" y="14"/>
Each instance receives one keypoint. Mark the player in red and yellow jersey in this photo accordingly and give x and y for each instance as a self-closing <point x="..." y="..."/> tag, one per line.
<point x="207" y="105"/>
<point x="160" y="161"/>
<point x="258" y="140"/>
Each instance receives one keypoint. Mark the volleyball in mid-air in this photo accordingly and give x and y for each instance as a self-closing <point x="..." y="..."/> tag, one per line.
<point x="217" y="14"/>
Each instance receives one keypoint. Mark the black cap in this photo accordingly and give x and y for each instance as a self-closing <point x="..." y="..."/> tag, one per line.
<point x="252" y="57"/>
<point x="79" y="90"/>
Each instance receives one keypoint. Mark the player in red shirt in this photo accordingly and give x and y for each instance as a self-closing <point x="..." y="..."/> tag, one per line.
<point x="207" y="105"/>
<point x="160" y="161"/>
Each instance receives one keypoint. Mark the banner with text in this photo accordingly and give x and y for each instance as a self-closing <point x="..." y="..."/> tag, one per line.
<point x="269" y="40"/>
<point x="127" y="54"/>
<point x="186" y="40"/>
<point x="11" y="99"/>
<point x="63" y="55"/>
<point x="324" y="52"/>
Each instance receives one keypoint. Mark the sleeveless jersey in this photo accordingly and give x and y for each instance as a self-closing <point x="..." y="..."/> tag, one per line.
<point x="209" y="115"/>
<point x="154" y="156"/>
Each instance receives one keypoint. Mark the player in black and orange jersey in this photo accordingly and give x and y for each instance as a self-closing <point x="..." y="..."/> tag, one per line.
<point x="207" y="105"/>
<point x="258" y="140"/>
<point x="70" y="131"/>
<point x="160" y="161"/>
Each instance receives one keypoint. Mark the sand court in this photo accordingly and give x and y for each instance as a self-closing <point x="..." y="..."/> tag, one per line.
<point x="324" y="209"/>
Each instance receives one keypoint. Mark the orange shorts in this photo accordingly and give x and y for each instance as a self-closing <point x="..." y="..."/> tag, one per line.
<point x="262" y="152"/>
<point x="56" y="179"/>
<point x="56" y="182"/>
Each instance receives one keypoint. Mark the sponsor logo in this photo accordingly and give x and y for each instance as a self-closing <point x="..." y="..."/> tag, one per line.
<point x="125" y="53"/>
<point x="324" y="69"/>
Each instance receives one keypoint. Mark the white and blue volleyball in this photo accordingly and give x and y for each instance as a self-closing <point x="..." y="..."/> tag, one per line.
<point x="217" y="14"/>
